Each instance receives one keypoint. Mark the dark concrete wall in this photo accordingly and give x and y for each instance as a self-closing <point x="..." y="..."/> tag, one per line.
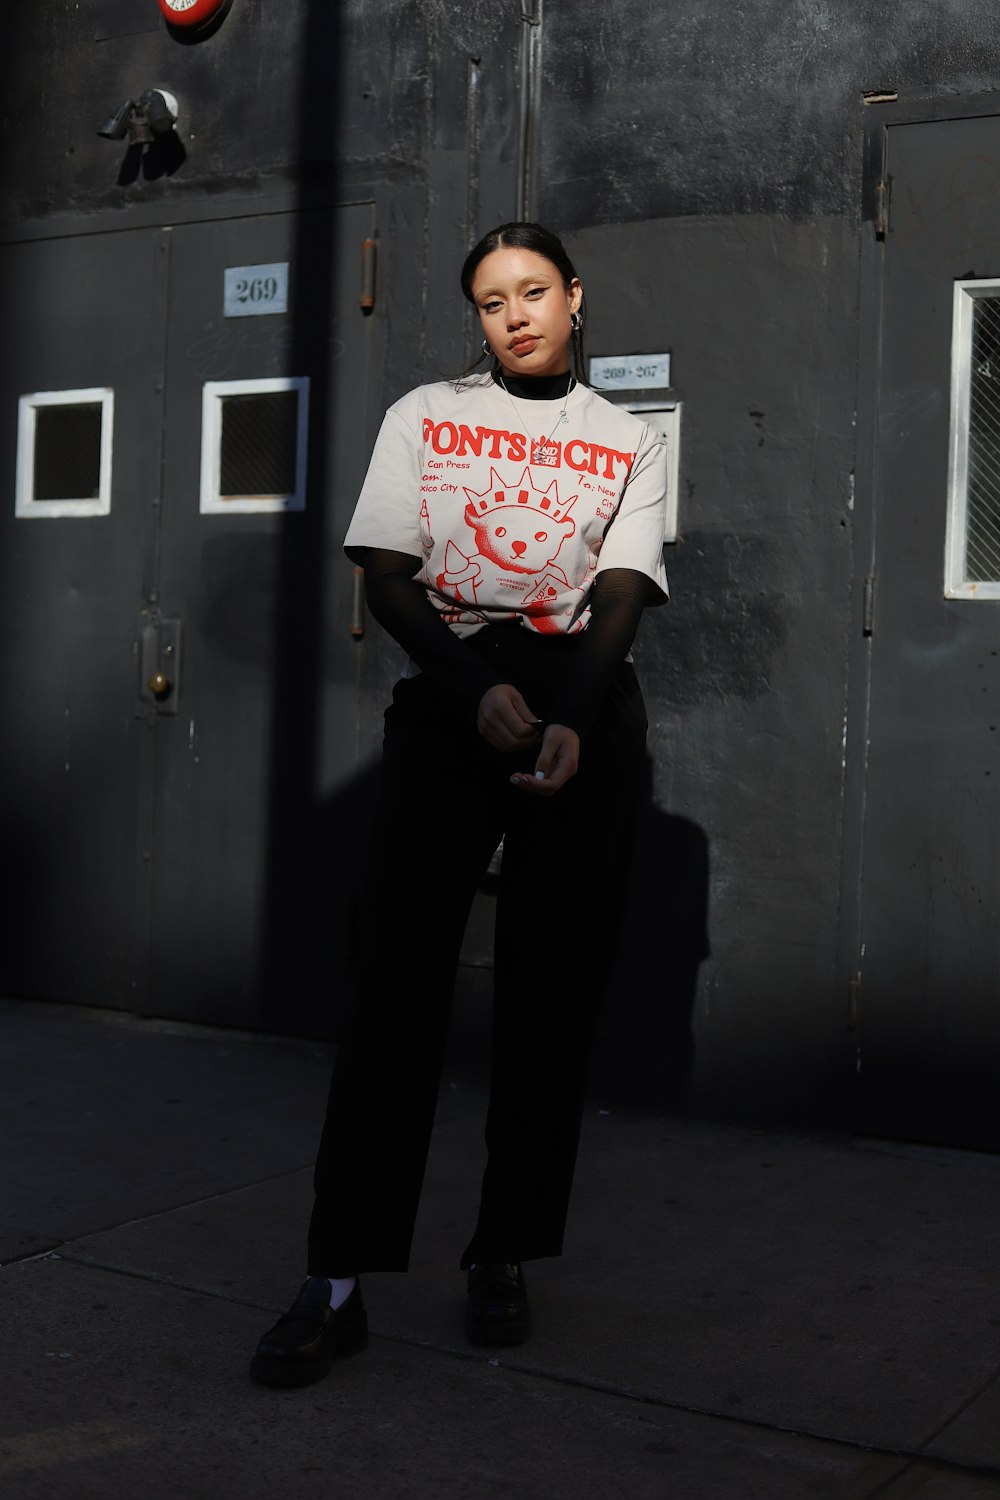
<point x="704" y="107"/>
<point x="719" y="173"/>
<point x="745" y="670"/>
<point x="704" y="160"/>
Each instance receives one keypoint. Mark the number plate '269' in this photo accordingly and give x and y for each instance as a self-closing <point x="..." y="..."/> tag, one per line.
<point x="252" y="291"/>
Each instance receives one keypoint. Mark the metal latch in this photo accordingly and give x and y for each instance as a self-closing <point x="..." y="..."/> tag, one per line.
<point x="160" y="665"/>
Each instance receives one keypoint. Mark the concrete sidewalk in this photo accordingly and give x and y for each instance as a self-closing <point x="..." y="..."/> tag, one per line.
<point x="740" y="1315"/>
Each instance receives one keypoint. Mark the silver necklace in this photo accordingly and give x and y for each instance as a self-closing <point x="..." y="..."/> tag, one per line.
<point x="537" y="446"/>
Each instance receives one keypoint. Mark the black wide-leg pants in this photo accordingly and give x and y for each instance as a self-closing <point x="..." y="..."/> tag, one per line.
<point x="444" y="803"/>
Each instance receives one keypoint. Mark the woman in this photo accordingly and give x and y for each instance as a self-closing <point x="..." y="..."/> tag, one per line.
<point x="510" y="527"/>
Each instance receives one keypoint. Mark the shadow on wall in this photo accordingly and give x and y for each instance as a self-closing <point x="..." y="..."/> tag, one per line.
<point x="643" y="1056"/>
<point x="316" y="949"/>
<point x="644" y="1047"/>
<point x="306" y="846"/>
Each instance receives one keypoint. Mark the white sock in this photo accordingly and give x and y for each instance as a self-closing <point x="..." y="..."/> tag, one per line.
<point x="341" y="1288"/>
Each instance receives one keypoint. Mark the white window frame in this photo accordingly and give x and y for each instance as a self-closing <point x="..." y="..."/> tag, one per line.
<point x="213" y="392"/>
<point x="956" y="584"/>
<point x="25" y="506"/>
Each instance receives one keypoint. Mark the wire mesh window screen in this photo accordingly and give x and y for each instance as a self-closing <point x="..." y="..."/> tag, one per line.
<point x="67" y="456"/>
<point x="982" y="528"/>
<point x="258" y="447"/>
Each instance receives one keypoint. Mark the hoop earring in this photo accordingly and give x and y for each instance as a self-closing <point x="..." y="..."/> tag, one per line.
<point x="575" y="322"/>
<point x="486" y="347"/>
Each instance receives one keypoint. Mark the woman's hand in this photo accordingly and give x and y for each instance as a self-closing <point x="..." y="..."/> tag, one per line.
<point x="558" y="761"/>
<point x="504" y="719"/>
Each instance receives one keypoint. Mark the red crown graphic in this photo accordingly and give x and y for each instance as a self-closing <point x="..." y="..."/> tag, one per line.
<point x="522" y="491"/>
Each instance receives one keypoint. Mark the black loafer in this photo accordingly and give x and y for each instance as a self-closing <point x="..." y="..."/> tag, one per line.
<point x="303" y="1344"/>
<point x="497" y="1309"/>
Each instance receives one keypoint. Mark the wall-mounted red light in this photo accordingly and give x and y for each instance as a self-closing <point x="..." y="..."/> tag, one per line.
<point x="190" y="12"/>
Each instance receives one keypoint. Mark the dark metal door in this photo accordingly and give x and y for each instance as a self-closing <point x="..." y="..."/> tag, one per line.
<point x="929" y="963"/>
<point x="261" y="733"/>
<point x="180" y="683"/>
<point x="75" y="753"/>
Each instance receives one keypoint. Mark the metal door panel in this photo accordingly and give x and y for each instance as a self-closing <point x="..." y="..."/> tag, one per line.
<point x="265" y="731"/>
<point x="930" y="968"/>
<point x="78" y="314"/>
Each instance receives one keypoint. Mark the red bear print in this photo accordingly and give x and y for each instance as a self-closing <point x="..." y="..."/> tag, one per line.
<point x="519" y="530"/>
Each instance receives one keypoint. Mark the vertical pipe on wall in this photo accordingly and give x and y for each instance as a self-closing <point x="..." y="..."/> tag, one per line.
<point x="473" y="89"/>
<point x="472" y="112"/>
<point x="531" y="85"/>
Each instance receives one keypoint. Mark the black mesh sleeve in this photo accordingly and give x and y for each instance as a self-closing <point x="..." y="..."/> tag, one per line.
<point x="617" y="600"/>
<point x="401" y="606"/>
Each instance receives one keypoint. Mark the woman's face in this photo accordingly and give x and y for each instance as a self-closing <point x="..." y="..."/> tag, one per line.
<point x="525" y="309"/>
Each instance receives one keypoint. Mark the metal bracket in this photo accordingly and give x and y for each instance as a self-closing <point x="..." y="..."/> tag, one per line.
<point x="160" y="665"/>
<point x="883" y="192"/>
<point x="357" y="625"/>
<point x="369" y="252"/>
<point x="868" y="608"/>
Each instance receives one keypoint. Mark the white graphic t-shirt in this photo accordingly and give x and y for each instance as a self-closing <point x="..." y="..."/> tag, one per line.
<point x="513" y="510"/>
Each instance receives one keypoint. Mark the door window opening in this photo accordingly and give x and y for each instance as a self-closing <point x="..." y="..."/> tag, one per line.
<point x="64" y="447"/>
<point x="253" y="446"/>
<point x="972" y="545"/>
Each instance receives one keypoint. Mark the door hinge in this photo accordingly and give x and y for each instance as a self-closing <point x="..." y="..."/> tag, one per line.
<point x="853" y="1001"/>
<point x="882" y="209"/>
<point x="868" y="607"/>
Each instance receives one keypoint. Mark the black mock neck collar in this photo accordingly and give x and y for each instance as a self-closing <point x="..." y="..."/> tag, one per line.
<point x="535" y="387"/>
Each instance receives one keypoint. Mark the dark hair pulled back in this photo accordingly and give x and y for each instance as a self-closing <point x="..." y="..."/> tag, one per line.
<point x="524" y="235"/>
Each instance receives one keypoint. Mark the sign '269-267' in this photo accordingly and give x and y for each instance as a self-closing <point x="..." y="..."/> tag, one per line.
<point x="191" y="12"/>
